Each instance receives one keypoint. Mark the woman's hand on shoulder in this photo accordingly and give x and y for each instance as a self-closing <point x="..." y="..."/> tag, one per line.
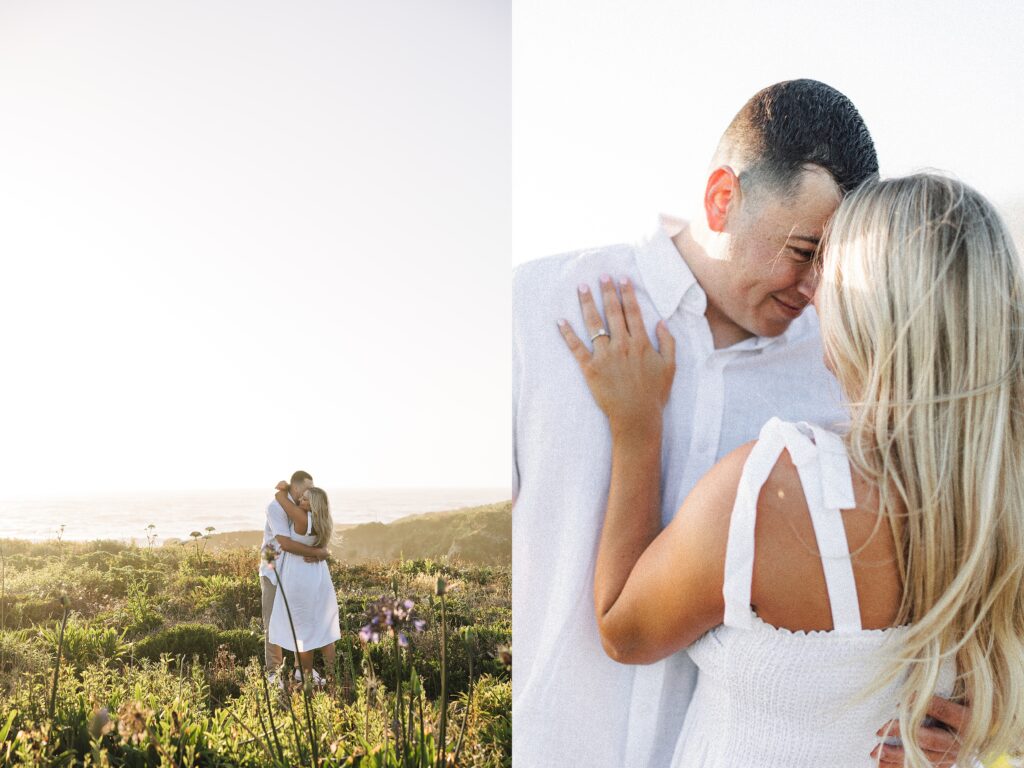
<point x="629" y="379"/>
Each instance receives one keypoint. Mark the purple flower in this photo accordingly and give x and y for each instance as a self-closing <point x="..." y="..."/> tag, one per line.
<point x="389" y="615"/>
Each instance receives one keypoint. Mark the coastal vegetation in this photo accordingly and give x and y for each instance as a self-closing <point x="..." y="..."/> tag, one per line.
<point x="118" y="654"/>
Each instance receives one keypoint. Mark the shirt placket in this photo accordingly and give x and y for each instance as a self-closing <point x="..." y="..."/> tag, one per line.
<point x="708" y="410"/>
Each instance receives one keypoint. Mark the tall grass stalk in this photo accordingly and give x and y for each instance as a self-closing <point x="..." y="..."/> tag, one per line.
<point x="443" y="702"/>
<point x="350" y="662"/>
<point x="302" y="673"/>
<point x="423" y="740"/>
<point x="66" y="604"/>
<point x="270" y="714"/>
<point x="467" y="638"/>
<point x="3" y="602"/>
<point x="369" y="686"/>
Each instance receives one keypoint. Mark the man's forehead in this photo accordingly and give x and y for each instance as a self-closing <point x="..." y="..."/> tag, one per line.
<point x="805" y="213"/>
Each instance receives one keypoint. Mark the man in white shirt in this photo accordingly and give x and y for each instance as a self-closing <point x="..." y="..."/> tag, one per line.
<point x="733" y="286"/>
<point x="277" y="525"/>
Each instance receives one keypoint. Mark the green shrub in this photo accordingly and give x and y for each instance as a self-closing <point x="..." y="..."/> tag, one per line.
<point x="21" y="657"/>
<point x="85" y="643"/>
<point x="492" y="717"/>
<point x="227" y="601"/>
<point x="29" y="612"/>
<point x="200" y="640"/>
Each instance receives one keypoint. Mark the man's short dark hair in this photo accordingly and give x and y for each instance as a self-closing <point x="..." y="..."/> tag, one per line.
<point x="789" y="125"/>
<point x="299" y="476"/>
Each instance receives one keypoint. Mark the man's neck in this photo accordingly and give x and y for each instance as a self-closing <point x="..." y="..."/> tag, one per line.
<point x="724" y="332"/>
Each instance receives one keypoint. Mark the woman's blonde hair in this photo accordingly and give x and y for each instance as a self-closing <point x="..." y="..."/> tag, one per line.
<point x="320" y="511"/>
<point x="922" y="318"/>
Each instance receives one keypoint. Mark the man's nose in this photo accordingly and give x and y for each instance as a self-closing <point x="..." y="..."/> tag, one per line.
<point x="809" y="283"/>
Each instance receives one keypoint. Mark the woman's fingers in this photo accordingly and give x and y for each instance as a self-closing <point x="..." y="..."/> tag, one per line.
<point x="576" y="346"/>
<point x="949" y="712"/>
<point x="940" y="745"/>
<point x="613" y="309"/>
<point x="896" y="756"/>
<point x="631" y="309"/>
<point x="937" y="740"/>
<point x="666" y="342"/>
<point x="592" y="321"/>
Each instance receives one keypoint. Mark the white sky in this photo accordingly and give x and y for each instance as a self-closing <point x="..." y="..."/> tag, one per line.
<point x="244" y="237"/>
<point x="618" y="105"/>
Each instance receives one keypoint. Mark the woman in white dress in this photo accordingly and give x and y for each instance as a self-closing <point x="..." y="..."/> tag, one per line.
<point x="306" y="587"/>
<point x="824" y="584"/>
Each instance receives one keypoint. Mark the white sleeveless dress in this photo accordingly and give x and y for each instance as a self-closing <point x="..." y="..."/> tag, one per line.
<point x="311" y="599"/>
<point x="772" y="697"/>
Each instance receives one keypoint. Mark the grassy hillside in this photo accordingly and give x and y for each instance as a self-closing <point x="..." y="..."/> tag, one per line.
<point x="477" y="535"/>
<point x="160" y="656"/>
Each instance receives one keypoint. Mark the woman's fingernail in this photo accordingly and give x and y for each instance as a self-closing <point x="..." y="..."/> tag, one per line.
<point x="605" y="279"/>
<point x="584" y="288"/>
<point x="561" y="323"/>
<point x="624" y="280"/>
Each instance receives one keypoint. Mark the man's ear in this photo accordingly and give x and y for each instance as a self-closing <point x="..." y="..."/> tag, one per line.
<point x="721" y="192"/>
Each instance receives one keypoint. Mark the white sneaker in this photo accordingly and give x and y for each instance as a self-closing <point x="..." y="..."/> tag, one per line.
<point x="315" y="677"/>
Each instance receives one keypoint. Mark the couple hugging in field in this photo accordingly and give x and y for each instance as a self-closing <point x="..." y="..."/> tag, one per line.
<point x="296" y="581"/>
<point x="769" y="470"/>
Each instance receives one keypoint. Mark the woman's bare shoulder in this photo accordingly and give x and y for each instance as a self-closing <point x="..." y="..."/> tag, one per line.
<point x="789" y="588"/>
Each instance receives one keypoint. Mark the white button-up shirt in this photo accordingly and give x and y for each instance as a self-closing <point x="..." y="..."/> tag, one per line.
<point x="277" y="524"/>
<point x="572" y="705"/>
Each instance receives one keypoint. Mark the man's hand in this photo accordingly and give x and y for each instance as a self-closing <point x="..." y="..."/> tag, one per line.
<point x="940" y="743"/>
<point x="281" y="486"/>
<point x="322" y="554"/>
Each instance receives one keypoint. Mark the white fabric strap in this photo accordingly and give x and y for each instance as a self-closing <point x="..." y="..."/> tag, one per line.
<point x="739" y="549"/>
<point x="829" y="491"/>
<point x="825" y="476"/>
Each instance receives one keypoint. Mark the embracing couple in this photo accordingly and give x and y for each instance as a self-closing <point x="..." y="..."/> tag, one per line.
<point x="300" y="605"/>
<point x="769" y="470"/>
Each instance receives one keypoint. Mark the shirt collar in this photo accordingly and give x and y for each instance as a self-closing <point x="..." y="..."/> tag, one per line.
<point x="666" y="275"/>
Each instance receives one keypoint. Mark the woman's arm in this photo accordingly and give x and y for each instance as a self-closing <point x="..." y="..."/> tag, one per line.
<point x="642" y="572"/>
<point x="295" y="513"/>
<point x="671" y="593"/>
<point x="289" y="544"/>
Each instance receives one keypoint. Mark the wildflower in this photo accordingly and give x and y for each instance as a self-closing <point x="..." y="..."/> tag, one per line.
<point x="34" y="741"/>
<point x="270" y="554"/>
<point x="503" y="653"/>
<point x="441" y="586"/>
<point x="132" y="721"/>
<point x="390" y="615"/>
<point x="100" y="723"/>
<point x="371" y="683"/>
<point x="176" y="722"/>
<point x="65" y="602"/>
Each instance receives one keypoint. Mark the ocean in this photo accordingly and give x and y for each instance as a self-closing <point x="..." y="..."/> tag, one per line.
<point x="176" y="514"/>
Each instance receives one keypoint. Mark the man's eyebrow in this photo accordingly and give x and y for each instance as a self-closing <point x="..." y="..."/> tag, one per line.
<point x="809" y="238"/>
